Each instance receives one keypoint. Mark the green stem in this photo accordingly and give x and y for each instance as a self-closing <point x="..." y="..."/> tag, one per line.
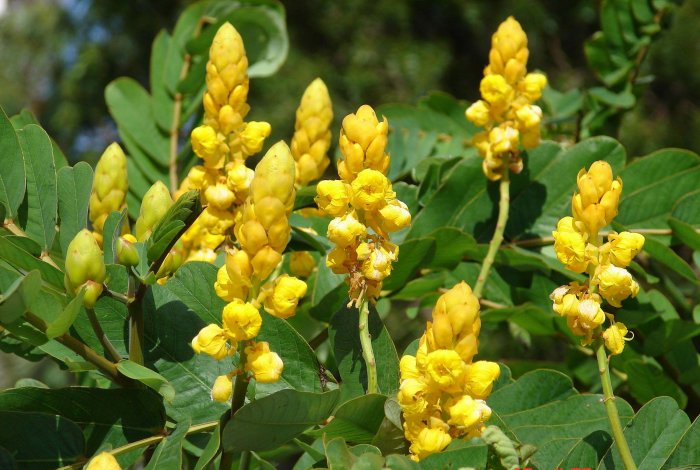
<point x="240" y="389"/>
<point x="99" y="332"/>
<point x="611" y="409"/>
<point x="367" y="352"/>
<point x="495" y="243"/>
<point x="135" y="308"/>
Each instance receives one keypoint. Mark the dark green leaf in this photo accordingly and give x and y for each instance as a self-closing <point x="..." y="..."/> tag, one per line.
<point x="328" y="293"/>
<point x="19" y="297"/>
<point x="305" y="197"/>
<point x="148" y="377"/>
<point x="275" y="419"/>
<point x="357" y="420"/>
<point x="210" y="450"/>
<point x="345" y="341"/>
<point x="647" y="380"/>
<point x="60" y="325"/>
<point x="42" y="198"/>
<point x="669" y="258"/>
<point x="168" y="454"/>
<point x="12" y="252"/>
<point x="181" y="214"/>
<point x="12" y="176"/>
<point x="193" y="284"/>
<point x="74" y="186"/>
<point x="474" y="455"/>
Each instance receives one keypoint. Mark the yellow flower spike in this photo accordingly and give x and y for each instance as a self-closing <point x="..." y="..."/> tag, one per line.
<point x="614" y="337"/>
<point x="362" y="142"/>
<point x="155" y="204"/>
<point x="228" y="289"/>
<point x="615" y="284"/>
<point x="312" y="135"/>
<point x="211" y="340"/>
<point x="333" y="197"/>
<point x="103" y="461"/>
<point x="570" y="245"/>
<point x="623" y="247"/>
<point x="109" y="186"/>
<point x="480" y="377"/>
<point x="302" y="264"/>
<point x="265" y="365"/>
<point x="509" y="52"/>
<point x="222" y="389"/>
<point x="595" y="205"/>
<point x="206" y="145"/>
<point x="227" y="72"/>
<point x="254" y="135"/>
<point x="370" y="189"/>
<point x="344" y="231"/>
<point x="242" y="321"/>
<point x="429" y="441"/>
<point x="456" y="314"/>
<point x="282" y="295"/>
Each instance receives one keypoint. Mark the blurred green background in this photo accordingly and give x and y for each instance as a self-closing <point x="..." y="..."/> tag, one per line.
<point x="57" y="57"/>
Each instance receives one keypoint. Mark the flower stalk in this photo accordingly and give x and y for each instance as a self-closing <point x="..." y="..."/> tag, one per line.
<point x="367" y="352"/>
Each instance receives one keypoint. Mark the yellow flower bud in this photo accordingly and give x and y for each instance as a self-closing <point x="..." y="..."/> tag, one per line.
<point x="408" y="367"/>
<point x="265" y="261"/>
<point x="596" y="203"/>
<point x="570" y="245"/>
<point x="480" y="377"/>
<point x="227" y="73"/>
<point x="590" y="315"/>
<point x="394" y="216"/>
<point x="238" y="179"/>
<point x="109" y="186"/>
<point x="410" y="396"/>
<point x="254" y="135"/>
<point x="503" y="139"/>
<point x="238" y="267"/>
<point x="103" y="461"/>
<point x="531" y="86"/>
<point x="84" y="262"/>
<point x="206" y="145"/>
<point x="266" y="366"/>
<point x="222" y="389"/>
<point x="529" y="116"/>
<point x="376" y="262"/>
<point x="509" y="51"/>
<point x="345" y="230"/>
<point x="211" y="340"/>
<point x="461" y="308"/>
<point x="312" y="136"/>
<point x="362" y="142"/>
<point x="496" y="91"/>
<point x="333" y="197"/>
<point x="479" y="113"/>
<point x="624" y="247"/>
<point x="336" y="260"/>
<point x="216" y="221"/>
<point x="370" y="189"/>
<point x="200" y="177"/>
<point x="93" y="290"/>
<point x="429" y="441"/>
<point x="282" y="295"/>
<point x="228" y="289"/>
<point x="241" y="320"/>
<point x="219" y="196"/>
<point x="614" y="338"/>
<point x="274" y="176"/>
<point x="467" y="412"/>
<point x="302" y="264"/>
<point x="127" y="254"/>
<point x="156" y="203"/>
<point x="615" y="284"/>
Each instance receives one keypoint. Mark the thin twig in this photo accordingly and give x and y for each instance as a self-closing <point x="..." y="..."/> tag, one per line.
<point x="104" y="340"/>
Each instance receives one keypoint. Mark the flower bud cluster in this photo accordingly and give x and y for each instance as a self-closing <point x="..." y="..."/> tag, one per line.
<point x="109" y="187"/>
<point x="364" y="206"/>
<point x="263" y="232"/>
<point x="443" y="392"/>
<point x="577" y="245"/>
<point x="224" y="141"/>
<point x="506" y="110"/>
<point x="312" y="133"/>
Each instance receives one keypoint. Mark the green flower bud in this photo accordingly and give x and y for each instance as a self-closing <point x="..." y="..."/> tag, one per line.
<point x="155" y="204"/>
<point x="109" y="186"/>
<point x="92" y="293"/>
<point x="84" y="262"/>
<point x="127" y="254"/>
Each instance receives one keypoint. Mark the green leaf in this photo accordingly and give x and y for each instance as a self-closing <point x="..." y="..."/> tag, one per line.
<point x="344" y="336"/>
<point x="647" y="381"/>
<point x="390" y="436"/>
<point x="474" y="455"/>
<point x="193" y="283"/>
<point x="668" y="334"/>
<point x="542" y="407"/>
<point x="132" y="414"/>
<point x="23" y="119"/>
<point x="357" y="420"/>
<point x="210" y="450"/>
<point x="412" y="255"/>
<point x="301" y="368"/>
<point x="400" y="462"/>
<point x="42" y="198"/>
<point x="275" y="419"/>
<point x="111" y="231"/>
<point x="12" y="176"/>
<point x="305" y="197"/>
<point x="669" y="258"/>
<point x="338" y="454"/>
<point x="685" y="233"/>
<point x="328" y="292"/>
<point x="147" y="377"/>
<point x="131" y="107"/>
<point x="12" y="251"/>
<point x="19" y="296"/>
<point x="166" y="65"/>
<point x="168" y="454"/>
<point x="40" y="440"/>
<point x="653" y="435"/>
<point x="181" y="214"/>
<point x="74" y="187"/>
<point x="652" y="186"/>
<point x="64" y="321"/>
